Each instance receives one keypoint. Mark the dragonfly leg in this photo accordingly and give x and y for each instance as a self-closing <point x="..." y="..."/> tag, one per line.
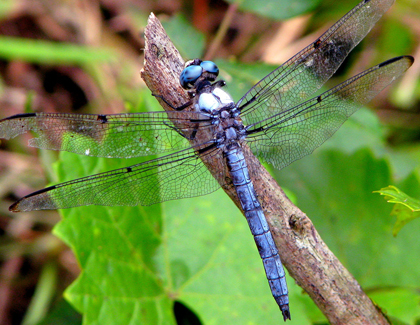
<point x="219" y="84"/>
<point x="179" y="108"/>
<point x="191" y="137"/>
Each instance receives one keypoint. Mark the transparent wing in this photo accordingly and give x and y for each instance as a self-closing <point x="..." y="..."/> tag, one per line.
<point x="175" y="176"/>
<point x="303" y="74"/>
<point x="112" y="136"/>
<point x="295" y="133"/>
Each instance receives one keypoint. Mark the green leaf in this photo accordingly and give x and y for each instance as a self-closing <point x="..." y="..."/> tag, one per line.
<point x="137" y="261"/>
<point x="335" y="190"/>
<point x="62" y="313"/>
<point x="277" y="9"/>
<point x="187" y="39"/>
<point x="402" y="303"/>
<point x="47" y="52"/>
<point x="406" y="208"/>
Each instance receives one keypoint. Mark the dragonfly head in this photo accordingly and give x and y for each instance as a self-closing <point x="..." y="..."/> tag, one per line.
<point x="197" y="69"/>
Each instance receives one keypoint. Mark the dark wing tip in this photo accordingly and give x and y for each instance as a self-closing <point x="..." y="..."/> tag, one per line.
<point x="398" y="58"/>
<point x="286" y="312"/>
<point x="26" y="203"/>
<point x="411" y="58"/>
<point x="23" y="115"/>
<point x="15" y="207"/>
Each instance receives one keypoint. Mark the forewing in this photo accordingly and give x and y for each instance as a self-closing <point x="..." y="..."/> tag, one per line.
<point x="175" y="176"/>
<point x="295" y="133"/>
<point x="303" y="74"/>
<point x="112" y="136"/>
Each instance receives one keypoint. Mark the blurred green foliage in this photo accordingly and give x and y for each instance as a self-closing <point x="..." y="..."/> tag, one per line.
<point x="53" y="53"/>
<point x="277" y="9"/>
<point x="406" y="208"/>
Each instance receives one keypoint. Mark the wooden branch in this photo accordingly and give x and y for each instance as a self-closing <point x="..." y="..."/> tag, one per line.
<point x="304" y="254"/>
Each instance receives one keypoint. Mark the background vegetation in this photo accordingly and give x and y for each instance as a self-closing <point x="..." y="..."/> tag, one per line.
<point x="129" y="265"/>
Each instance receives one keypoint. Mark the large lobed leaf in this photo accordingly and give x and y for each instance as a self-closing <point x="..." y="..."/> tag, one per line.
<point x="137" y="261"/>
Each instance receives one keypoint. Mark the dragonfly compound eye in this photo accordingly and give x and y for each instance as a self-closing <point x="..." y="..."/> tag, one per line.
<point x="190" y="75"/>
<point x="210" y="66"/>
<point x="211" y="69"/>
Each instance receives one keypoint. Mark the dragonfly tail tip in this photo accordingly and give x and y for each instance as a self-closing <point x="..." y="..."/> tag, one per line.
<point x="286" y="312"/>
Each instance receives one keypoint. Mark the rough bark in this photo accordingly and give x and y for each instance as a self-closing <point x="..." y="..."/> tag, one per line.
<point x="307" y="258"/>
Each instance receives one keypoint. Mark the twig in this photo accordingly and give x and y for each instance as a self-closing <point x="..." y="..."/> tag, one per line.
<point x="304" y="254"/>
<point x="221" y="33"/>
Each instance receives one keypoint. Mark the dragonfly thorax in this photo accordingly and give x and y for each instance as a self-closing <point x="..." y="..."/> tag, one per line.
<point x="213" y="101"/>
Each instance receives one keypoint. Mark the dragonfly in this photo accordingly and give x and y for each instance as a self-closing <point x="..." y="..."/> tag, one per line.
<point x="280" y="118"/>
